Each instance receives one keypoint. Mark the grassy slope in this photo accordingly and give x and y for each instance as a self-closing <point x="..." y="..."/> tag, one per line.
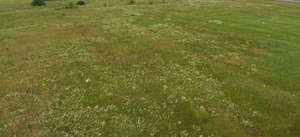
<point x="174" y="68"/>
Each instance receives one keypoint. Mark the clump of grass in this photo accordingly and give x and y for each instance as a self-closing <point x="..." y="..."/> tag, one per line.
<point x="80" y="2"/>
<point x="70" y="5"/>
<point x="131" y="2"/>
<point x="38" y="3"/>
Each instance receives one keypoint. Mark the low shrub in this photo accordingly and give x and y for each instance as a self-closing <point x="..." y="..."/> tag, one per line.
<point x="80" y="2"/>
<point x="131" y="2"/>
<point x="38" y="3"/>
<point x="70" y="5"/>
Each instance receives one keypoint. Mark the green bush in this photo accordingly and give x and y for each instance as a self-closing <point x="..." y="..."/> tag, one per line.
<point x="80" y="2"/>
<point x="131" y="2"/>
<point x="38" y="3"/>
<point x="70" y="5"/>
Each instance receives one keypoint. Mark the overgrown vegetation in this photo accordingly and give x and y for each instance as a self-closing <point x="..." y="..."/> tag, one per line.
<point x="38" y="3"/>
<point x="80" y="2"/>
<point x="179" y="68"/>
<point x="131" y="2"/>
<point x="70" y="5"/>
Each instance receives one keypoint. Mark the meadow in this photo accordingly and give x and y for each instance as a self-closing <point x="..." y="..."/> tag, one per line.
<point x="142" y="68"/>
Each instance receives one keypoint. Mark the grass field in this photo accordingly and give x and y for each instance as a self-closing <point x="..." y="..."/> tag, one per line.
<point x="162" y="68"/>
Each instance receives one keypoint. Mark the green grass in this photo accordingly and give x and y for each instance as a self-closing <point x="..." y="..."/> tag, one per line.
<point x="170" y="68"/>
